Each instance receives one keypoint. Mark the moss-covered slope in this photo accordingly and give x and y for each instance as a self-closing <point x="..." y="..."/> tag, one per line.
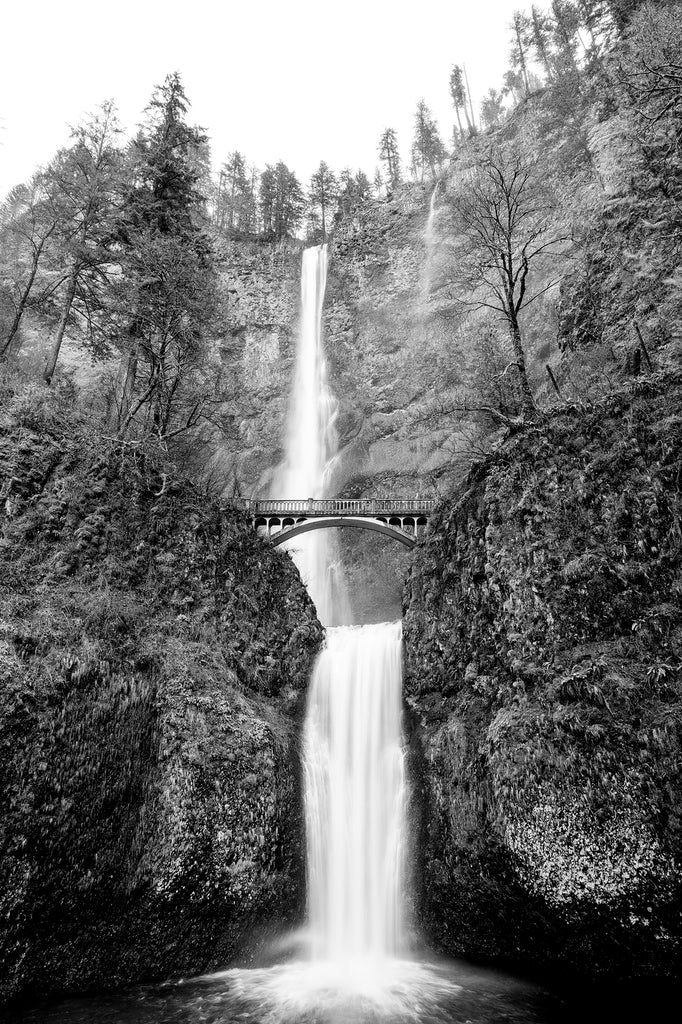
<point x="543" y="625"/>
<point x="152" y="658"/>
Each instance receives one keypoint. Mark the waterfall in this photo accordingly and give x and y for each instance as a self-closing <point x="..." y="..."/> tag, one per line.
<point x="429" y="244"/>
<point x="353" y="761"/>
<point x="431" y="219"/>
<point x="312" y="447"/>
<point x="355" y="794"/>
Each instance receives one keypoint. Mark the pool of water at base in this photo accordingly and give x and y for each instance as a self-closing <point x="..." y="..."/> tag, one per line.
<point x="298" y="992"/>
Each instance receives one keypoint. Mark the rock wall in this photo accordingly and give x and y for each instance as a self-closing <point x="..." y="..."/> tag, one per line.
<point x="257" y="350"/>
<point x="383" y="341"/>
<point x="385" y="344"/>
<point x="153" y="658"/>
<point x="543" y="631"/>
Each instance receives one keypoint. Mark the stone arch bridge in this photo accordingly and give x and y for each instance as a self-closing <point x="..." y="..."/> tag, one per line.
<point x="402" y="519"/>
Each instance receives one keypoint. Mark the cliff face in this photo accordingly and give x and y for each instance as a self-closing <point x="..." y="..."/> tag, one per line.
<point x="257" y="350"/>
<point x="382" y="340"/>
<point x="385" y="344"/>
<point x="543" y="631"/>
<point x="153" y="658"/>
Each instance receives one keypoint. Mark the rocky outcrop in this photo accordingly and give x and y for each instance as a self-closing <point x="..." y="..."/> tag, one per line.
<point x="153" y="656"/>
<point x="543" y="630"/>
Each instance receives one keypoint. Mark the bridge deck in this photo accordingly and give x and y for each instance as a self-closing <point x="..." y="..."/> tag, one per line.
<point x="371" y="507"/>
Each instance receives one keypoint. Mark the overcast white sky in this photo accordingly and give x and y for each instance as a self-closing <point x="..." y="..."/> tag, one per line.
<point x="296" y="80"/>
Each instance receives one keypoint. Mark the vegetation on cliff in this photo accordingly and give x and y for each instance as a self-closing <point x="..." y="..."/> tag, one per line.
<point x="153" y="650"/>
<point x="543" y="626"/>
<point x="153" y="657"/>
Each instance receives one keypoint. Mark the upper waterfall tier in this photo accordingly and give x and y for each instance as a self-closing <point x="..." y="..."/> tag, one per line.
<point x="312" y="445"/>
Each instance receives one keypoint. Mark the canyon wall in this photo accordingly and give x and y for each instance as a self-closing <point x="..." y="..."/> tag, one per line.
<point x="154" y="657"/>
<point x="543" y="634"/>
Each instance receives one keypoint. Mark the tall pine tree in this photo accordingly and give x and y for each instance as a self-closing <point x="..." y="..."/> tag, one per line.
<point x="168" y="279"/>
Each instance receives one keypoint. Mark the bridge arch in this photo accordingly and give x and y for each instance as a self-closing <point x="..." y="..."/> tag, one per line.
<point x="358" y="522"/>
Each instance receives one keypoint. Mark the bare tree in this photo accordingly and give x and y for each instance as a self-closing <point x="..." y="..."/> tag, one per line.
<point x="508" y="230"/>
<point x="27" y="221"/>
<point x="651" y="65"/>
<point x="82" y="182"/>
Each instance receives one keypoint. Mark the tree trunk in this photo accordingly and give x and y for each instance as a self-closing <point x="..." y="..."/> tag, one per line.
<point x="470" y="127"/>
<point x="125" y="384"/>
<point x="526" y="393"/>
<point x="22" y="304"/>
<point x="541" y="43"/>
<point x="391" y="173"/>
<point x="61" y="327"/>
<point x="522" y="56"/>
<point x="471" y="106"/>
<point x="459" y="122"/>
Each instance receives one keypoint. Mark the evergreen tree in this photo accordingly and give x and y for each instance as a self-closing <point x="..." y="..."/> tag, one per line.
<point x="427" y="147"/>
<point x="235" y="203"/>
<point x="266" y="199"/>
<point x="168" y="268"/>
<point x="458" y="93"/>
<point x="518" y="56"/>
<point x="354" y="191"/>
<point x="492" y="108"/>
<point x="540" y="34"/>
<point x="346" y="196"/>
<point x="513" y="85"/>
<point x="290" y="202"/>
<point x="565" y="30"/>
<point x="323" y="193"/>
<point x="281" y="201"/>
<point x="233" y="176"/>
<point x="390" y="157"/>
<point x="248" y="209"/>
<point x="621" y="11"/>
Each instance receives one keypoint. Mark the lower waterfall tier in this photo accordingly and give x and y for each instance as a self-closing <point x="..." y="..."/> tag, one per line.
<point x="355" y="794"/>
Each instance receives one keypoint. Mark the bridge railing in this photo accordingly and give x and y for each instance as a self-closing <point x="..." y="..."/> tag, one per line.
<point x="338" y="506"/>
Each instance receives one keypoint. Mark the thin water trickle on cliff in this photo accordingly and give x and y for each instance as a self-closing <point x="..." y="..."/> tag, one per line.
<point x="431" y="219"/>
<point x="429" y="243"/>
